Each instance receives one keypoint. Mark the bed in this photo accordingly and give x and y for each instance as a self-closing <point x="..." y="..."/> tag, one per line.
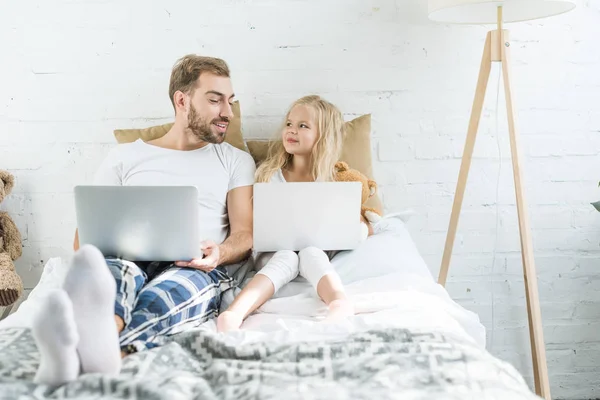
<point x="409" y="341"/>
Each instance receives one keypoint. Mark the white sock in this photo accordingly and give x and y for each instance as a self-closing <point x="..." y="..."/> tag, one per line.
<point x="92" y="289"/>
<point x="55" y="334"/>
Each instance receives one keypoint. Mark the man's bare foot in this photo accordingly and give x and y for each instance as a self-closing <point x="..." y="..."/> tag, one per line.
<point x="229" y="321"/>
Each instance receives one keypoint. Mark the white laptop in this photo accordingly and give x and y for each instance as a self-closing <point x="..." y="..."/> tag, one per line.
<point x="292" y="216"/>
<point x="139" y="223"/>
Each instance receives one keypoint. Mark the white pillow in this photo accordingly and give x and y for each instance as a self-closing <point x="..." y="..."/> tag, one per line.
<point x="390" y="250"/>
<point x="53" y="276"/>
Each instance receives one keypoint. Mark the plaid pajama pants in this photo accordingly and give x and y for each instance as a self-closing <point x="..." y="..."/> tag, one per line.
<point x="158" y="299"/>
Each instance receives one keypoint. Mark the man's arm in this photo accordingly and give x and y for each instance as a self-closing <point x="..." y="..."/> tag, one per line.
<point x="238" y="244"/>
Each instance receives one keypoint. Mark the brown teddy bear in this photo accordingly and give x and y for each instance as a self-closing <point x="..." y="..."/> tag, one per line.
<point x="343" y="173"/>
<point x="11" y="286"/>
<point x="7" y="181"/>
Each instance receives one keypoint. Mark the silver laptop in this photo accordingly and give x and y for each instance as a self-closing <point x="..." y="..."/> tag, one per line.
<point x="292" y="216"/>
<point x="139" y="223"/>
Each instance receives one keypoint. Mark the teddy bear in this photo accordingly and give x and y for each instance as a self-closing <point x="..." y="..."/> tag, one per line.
<point x="11" y="285"/>
<point x="368" y="216"/>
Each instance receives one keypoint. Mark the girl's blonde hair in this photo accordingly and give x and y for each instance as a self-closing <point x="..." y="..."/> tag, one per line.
<point x="326" y="151"/>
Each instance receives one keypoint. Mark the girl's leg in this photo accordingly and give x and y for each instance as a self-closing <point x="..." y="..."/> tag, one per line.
<point x="280" y="270"/>
<point x="315" y="266"/>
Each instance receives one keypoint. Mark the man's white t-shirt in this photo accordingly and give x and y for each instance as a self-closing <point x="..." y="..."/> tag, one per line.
<point x="214" y="170"/>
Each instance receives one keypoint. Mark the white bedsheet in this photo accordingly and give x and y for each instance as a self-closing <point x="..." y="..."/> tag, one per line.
<point x="385" y="277"/>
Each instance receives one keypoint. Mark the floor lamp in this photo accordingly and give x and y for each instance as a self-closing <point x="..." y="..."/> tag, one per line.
<point x="496" y="49"/>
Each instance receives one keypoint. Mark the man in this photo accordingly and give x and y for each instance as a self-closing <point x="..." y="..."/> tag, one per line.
<point x="156" y="299"/>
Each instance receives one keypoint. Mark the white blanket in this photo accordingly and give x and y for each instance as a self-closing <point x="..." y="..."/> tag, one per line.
<point x="386" y="278"/>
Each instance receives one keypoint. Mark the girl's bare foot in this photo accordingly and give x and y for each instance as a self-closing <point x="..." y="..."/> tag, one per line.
<point x="339" y="309"/>
<point x="229" y="321"/>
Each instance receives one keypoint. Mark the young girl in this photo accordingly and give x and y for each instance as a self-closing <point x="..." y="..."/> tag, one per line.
<point x="310" y="145"/>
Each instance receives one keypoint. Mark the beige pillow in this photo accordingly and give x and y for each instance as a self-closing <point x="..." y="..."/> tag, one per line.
<point x="233" y="135"/>
<point x="356" y="151"/>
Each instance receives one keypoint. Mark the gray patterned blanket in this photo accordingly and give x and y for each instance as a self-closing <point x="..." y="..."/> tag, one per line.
<point x="395" y="363"/>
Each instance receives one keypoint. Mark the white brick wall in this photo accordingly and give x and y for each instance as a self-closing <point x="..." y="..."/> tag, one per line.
<point x="74" y="71"/>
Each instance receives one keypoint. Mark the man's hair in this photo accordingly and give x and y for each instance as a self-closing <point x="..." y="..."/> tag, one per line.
<point x="188" y="69"/>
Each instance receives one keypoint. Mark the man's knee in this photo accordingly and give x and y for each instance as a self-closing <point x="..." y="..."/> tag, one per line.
<point x="118" y="266"/>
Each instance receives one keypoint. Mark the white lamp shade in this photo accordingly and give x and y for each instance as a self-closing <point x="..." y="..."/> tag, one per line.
<point x="486" y="11"/>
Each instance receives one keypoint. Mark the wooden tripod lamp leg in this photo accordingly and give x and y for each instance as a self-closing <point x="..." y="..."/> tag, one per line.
<point x="496" y="50"/>
<point x="540" y="369"/>
<point x="482" y="82"/>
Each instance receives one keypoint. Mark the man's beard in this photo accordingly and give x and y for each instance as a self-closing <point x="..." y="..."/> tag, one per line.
<point x="202" y="129"/>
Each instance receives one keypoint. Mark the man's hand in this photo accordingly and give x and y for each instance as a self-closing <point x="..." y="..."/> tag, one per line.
<point x="210" y="260"/>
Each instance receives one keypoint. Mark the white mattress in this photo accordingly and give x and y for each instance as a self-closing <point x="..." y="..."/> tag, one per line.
<point x="386" y="278"/>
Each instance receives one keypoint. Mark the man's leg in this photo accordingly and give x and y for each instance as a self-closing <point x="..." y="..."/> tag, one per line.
<point x="74" y="328"/>
<point x="130" y="279"/>
<point x="55" y="333"/>
<point x="177" y="298"/>
<point x="92" y="290"/>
